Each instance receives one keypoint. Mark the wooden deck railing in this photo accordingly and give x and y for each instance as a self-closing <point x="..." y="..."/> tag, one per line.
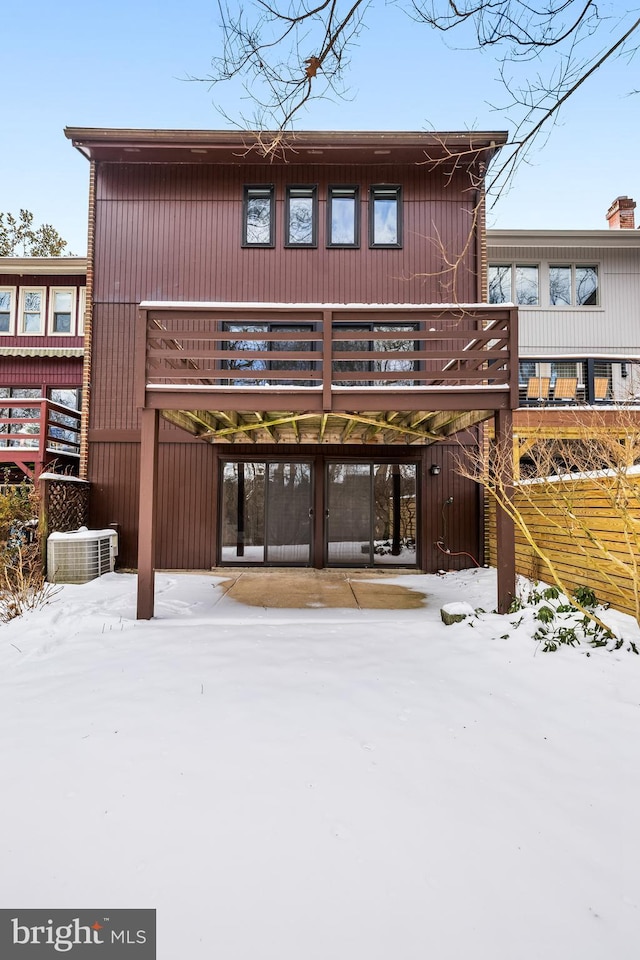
<point x="220" y="348"/>
<point x="38" y="426"/>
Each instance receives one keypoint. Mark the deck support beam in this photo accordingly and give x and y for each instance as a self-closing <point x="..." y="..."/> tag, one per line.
<point x="147" y="512"/>
<point x="505" y="530"/>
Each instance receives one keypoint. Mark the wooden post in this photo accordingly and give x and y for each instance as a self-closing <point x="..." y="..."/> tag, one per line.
<point x="240" y="511"/>
<point x="327" y="360"/>
<point x="43" y="520"/>
<point x="318" y="526"/>
<point x="505" y="531"/>
<point x="146" y="512"/>
<point x="396" y="503"/>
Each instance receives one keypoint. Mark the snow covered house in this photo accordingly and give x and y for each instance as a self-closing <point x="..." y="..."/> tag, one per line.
<point x="287" y="342"/>
<point x="42" y="304"/>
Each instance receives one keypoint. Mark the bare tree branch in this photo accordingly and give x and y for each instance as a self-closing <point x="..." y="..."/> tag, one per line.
<point x="287" y="53"/>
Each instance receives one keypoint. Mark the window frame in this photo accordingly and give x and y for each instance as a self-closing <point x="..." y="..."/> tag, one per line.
<point x="573" y="267"/>
<point x="269" y="189"/>
<point x="374" y="190"/>
<point x="82" y="307"/>
<point x="373" y="326"/>
<point x="12" y="291"/>
<point x="355" y="190"/>
<point x="313" y="193"/>
<point x="21" y="332"/>
<point x="270" y="354"/>
<point x="513" y="266"/>
<point x="51" y="312"/>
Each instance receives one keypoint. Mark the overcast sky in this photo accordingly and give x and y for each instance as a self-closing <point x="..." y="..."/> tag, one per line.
<point x="127" y="64"/>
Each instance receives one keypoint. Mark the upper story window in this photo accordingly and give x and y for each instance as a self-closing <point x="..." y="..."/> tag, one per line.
<point x="572" y="285"/>
<point x="385" y="216"/>
<point x="7" y="309"/>
<point x="32" y="311"/>
<point x="513" y="283"/>
<point x="82" y="307"/>
<point x="343" y="217"/>
<point x="301" y="215"/>
<point x="258" y="228"/>
<point x="62" y="303"/>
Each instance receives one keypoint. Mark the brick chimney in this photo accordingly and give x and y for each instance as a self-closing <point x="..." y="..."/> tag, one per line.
<point x="620" y="214"/>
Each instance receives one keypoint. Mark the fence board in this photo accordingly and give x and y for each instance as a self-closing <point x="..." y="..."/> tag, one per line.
<point x="571" y="551"/>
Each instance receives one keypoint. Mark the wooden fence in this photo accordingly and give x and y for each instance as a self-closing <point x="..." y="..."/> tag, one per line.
<point x="568" y="518"/>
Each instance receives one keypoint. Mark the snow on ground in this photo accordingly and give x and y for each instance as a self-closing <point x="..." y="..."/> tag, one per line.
<point x="343" y="784"/>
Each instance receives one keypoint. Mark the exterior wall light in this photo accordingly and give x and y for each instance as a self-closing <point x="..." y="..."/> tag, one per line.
<point x="434" y="469"/>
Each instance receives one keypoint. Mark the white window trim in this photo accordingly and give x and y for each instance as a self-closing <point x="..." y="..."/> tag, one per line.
<point x="50" y="312"/>
<point x="82" y="309"/>
<point x="12" y="312"/>
<point x="574" y="305"/>
<point x="513" y="266"/>
<point x="43" y="312"/>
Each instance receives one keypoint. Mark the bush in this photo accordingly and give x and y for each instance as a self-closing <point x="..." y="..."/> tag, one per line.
<point x="22" y="583"/>
<point x="18" y="506"/>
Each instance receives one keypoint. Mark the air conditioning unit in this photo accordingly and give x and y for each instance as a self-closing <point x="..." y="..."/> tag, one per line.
<point x="81" y="555"/>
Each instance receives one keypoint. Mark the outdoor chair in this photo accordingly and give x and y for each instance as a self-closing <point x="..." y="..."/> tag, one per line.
<point x="565" y="388"/>
<point x="538" y="388"/>
<point x="600" y="388"/>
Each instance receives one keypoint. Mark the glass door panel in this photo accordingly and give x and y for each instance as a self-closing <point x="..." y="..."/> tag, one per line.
<point x="288" y="514"/>
<point x="395" y="513"/>
<point x="243" y="509"/>
<point x="348" y="531"/>
<point x="371" y="514"/>
<point x="266" y="513"/>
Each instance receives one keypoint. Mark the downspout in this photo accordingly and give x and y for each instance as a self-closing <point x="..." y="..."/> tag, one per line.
<point x="88" y="327"/>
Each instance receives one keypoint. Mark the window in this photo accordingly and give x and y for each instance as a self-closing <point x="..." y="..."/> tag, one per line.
<point x="258" y="219"/>
<point x="62" y="303"/>
<point x="385" y="217"/>
<point x="31" y="311"/>
<point x="63" y="428"/>
<point x="28" y="418"/>
<point x="301" y="217"/>
<point x="66" y="396"/>
<point x="343" y="217"/>
<point x="571" y="285"/>
<point x="513" y="283"/>
<point x="82" y="306"/>
<point x="395" y="338"/>
<point x="268" y="350"/>
<point x="7" y="306"/>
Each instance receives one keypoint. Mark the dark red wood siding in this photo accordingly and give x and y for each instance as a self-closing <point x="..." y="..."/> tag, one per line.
<point x="173" y="232"/>
<point x="187" y="512"/>
<point x="40" y="371"/>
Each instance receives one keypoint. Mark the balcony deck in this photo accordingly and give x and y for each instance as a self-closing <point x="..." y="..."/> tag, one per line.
<point x="37" y="431"/>
<point x="318" y="373"/>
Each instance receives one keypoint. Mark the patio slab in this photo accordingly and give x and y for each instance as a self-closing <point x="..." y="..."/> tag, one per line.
<point x="287" y="588"/>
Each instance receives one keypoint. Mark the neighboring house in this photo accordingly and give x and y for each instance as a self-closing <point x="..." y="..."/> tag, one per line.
<point x="42" y="304"/>
<point x="578" y="294"/>
<point x="308" y="321"/>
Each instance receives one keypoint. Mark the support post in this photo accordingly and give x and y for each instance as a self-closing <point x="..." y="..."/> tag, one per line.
<point x="505" y="531"/>
<point x="396" y="504"/>
<point x="147" y="512"/>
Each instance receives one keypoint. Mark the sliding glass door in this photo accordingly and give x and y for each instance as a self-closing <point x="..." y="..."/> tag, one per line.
<point x="266" y="513"/>
<point x="371" y="514"/>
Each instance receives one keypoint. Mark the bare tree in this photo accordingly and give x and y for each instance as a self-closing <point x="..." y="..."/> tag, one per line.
<point x="589" y="517"/>
<point x="288" y="52"/>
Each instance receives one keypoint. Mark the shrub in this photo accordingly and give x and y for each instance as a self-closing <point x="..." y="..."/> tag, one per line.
<point x="22" y="583"/>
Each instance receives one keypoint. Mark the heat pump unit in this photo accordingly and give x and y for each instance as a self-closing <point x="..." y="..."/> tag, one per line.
<point x="81" y="555"/>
